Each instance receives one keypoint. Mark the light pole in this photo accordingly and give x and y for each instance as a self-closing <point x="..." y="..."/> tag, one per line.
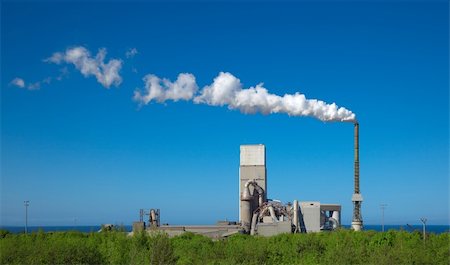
<point x="382" y="206"/>
<point x="424" y="224"/>
<point x="26" y="203"/>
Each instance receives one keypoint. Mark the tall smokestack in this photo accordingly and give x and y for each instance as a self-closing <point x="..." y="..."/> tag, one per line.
<point x="356" y="157"/>
<point x="357" y="199"/>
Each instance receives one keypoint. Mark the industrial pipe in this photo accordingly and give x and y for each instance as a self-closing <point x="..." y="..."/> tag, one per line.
<point x="246" y="196"/>
<point x="336" y="215"/>
<point x="334" y="223"/>
<point x="246" y="215"/>
<point x="247" y="199"/>
<point x="246" y="193"/>
<point x="295" y="217"/>
<point x="272" y="214"/>
<point x="246" y="208"/>
<point x="254" y="221"/>
<point x="260" y="192"/>
<point x="153" y="217"/>
<point x="246" y="212"/>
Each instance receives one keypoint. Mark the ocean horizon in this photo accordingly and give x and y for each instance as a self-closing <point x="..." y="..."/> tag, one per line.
<point x="437" y="229"/>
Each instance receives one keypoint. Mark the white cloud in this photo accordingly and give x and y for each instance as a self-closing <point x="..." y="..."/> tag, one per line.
<point x="106" y="74"/>
<point x="131" y="53"/>
<point x="18" y="82"/>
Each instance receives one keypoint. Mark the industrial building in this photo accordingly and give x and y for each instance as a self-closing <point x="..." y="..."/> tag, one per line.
<point x="259" y="215"/>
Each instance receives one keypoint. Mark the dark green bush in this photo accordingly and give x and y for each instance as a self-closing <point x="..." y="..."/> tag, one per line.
<point x="4" y="233"/>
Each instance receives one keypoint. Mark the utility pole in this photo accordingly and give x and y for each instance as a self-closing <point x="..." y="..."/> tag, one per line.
<point x="26" y="203"/>
<point x="424" y="224"/>
<point x="382" y="206"/>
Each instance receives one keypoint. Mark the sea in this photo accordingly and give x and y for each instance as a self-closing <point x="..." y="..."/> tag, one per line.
<point x="437" y="229"/>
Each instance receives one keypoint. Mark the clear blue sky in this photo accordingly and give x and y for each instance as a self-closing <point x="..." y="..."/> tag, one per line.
<point x="79" y="151"/>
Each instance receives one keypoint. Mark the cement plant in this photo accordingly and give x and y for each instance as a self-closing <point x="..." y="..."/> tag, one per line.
<point x="259" y="215"/>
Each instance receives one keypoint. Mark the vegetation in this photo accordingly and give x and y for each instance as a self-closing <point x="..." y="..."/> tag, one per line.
<point x="114" y="247"/>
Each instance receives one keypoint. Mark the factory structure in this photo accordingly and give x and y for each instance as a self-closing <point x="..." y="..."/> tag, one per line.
<point x="259" y="215"/>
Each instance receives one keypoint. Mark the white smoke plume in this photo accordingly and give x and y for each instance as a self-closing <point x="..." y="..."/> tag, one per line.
<point x="106" y="74"/>
<point x="161" y="90"/>
<point x="227" y="90"/>
<point x="34" y="86"/>
<point x="131" y="53"/>
<point x="18" y="82"/>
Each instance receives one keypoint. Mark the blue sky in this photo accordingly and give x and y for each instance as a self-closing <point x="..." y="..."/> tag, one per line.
<point x="79" y="151"/>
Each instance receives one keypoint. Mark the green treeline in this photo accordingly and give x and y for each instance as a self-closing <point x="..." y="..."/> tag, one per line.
<point x="341" y="247"/>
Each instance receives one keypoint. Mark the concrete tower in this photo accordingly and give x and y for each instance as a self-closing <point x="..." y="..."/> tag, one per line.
<point x="252" y="167"/>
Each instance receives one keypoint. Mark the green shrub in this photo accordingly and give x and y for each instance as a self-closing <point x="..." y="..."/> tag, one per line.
<point x="113" y="247"/>
<point x="4" y="233"/>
